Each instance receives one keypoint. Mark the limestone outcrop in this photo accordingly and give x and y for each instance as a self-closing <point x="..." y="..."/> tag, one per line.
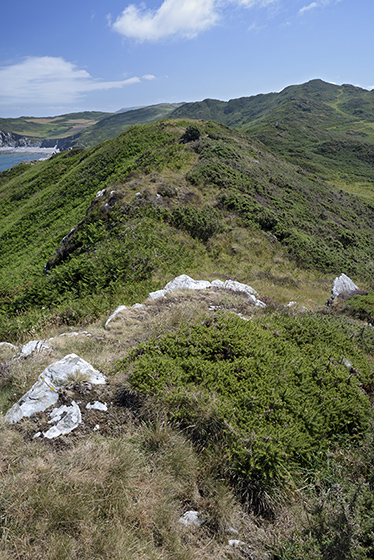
<point x="45" y="393"/>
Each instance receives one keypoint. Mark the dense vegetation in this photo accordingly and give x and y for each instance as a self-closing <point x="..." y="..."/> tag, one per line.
<point x="272" y="395"/>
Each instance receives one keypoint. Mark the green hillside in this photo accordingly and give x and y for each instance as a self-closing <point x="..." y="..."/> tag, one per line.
<point x="326" y="129"/>
<point x="112" y="126"/>
<point x="190" y="204"/>
<point x="86" y="129"/>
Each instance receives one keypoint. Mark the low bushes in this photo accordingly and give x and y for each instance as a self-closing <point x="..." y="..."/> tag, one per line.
<point x="270" y="396"/>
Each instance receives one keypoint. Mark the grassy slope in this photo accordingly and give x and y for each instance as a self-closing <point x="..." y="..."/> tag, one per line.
<point x="112" y="126"/>
<point x="202" y="205"/>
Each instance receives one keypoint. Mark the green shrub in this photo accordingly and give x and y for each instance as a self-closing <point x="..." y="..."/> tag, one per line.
<point x="200" y="223"/>
<point x="274" y="394"/>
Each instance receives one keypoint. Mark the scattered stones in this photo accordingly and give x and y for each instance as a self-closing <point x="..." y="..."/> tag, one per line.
<point x="234" y="543"/>
<point x="191" y="518"/>
<point x="81" y="333"/>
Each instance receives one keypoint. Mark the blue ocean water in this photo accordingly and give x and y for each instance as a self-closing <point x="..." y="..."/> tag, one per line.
<point x="9" y="157"/>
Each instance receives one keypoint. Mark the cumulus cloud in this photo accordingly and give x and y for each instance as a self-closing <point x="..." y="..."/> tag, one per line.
<point x="182" y="18"/>
<point x="47" y="79"/>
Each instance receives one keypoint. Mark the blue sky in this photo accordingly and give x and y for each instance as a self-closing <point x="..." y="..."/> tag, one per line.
<point x="60" y="57"/>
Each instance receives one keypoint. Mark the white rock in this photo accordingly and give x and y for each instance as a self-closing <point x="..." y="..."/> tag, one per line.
<point x="235" y="543"/>
<point x="97" y="406"/>
<point x="44" y="392"/>
<point x="343" y="285"/>
<point x="67" y="417"/>
<point x="31" y="347"/>
<point x="190" y="518"/>
<point x="81" y="333"/>
<point x="157" y="294"/>
<point x="119" y="309"/>
<point x="184" y="282"/>
<point x="100" y="193"/>
<point x="138" y="305"/>
<point x="235" y="286"/>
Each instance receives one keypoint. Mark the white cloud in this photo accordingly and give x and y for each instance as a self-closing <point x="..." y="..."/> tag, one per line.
<point x="319" y="4"/>
<point x="308" y="8"/>
<point x="183" y="18"/>
<point x="49" y="80"/>
<point x="149" y="77"/>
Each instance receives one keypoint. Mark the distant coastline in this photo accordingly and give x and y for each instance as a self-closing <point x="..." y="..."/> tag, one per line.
<point x="10" y="156"/>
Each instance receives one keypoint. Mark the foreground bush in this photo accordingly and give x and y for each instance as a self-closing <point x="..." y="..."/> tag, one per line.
<point x="270" y="397"/>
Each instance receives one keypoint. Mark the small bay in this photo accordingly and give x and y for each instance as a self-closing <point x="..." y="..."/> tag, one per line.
<point x="9" y="157"/>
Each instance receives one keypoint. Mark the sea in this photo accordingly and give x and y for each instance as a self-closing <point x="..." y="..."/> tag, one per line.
<point x="9" y="157"/>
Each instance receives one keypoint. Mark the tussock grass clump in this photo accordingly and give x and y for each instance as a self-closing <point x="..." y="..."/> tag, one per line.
<point x="107" y="498"/>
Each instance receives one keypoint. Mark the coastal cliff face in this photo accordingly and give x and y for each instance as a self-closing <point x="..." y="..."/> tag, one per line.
<point x="13" y="140"/>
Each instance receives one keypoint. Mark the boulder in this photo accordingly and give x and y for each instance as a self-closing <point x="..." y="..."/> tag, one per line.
<point x="343" y="285"/>
<point x="239" y="287"/>
<point x="185" y="282"/>
<point x="45" y="391"/>
<point x="182" y="282"/>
